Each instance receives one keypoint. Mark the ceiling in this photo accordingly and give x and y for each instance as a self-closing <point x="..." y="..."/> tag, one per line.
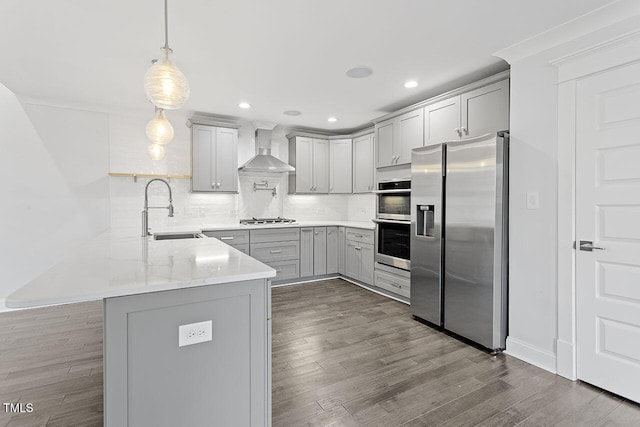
<point x="275" y="54"/>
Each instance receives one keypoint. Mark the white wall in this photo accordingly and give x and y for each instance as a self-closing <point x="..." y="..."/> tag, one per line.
<point x="56" y="195"/>
<point x="533" y="260"/>
<point x="128" y="154"/>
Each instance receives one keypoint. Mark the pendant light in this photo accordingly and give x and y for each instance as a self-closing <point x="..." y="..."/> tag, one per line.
<point x="164" y="83"/>
<point x="157" y="151"/>
<point x="159" y="130"/>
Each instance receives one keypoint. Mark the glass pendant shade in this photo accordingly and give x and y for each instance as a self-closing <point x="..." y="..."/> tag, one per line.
<point x="157" y="152"/>
<point x="165" y="85"/>
<point x="159" y="130"/>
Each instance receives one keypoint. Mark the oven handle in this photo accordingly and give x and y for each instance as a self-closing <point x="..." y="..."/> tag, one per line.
<point x="391" y="221"/>
<point x="401" y="190"/>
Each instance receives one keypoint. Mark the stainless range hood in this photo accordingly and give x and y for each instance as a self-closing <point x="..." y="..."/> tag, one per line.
<point x="263" y="161"/>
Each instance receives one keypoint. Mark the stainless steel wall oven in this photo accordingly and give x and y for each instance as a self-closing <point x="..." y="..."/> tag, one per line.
<point x="393" y="223"/>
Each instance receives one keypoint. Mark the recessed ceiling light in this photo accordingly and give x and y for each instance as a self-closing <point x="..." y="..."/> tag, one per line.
<point x="410" y="84"/>
<point x="244" y="105"/>
<point x="359" y="72"/>
<point x="332" y="119"/>
<point x="292" y="113"/>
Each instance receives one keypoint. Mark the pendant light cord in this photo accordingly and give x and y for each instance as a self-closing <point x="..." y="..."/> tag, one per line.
<point x="166" y="29"/>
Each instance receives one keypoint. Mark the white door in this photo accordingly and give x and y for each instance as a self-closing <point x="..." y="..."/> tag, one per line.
<point x="608" y="215"/>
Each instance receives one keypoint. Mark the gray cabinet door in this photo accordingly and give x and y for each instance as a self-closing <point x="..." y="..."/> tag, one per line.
<point x="363" y="164"/>
<point x="384" y="144"/>
<point x="352" y="260"/>
<point x="306" y="252"/>
<point x="366" y="263"/>
<point x="410" y="135"/>
<point x="320" y="166"/>
<point x="304" y="165"/>
<point x="340" y="166"/>
<point x="226" y="160"/>
<point x="485" y="110"/>
<point x="319" y="251"/>
<point x="342" y="247"/>
<point x="203" y="143"/>
<point x="442" y="121"/>
<point x="332" y="250"/>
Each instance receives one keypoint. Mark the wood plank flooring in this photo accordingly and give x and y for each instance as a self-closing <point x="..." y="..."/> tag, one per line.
<point x="342" y="356"/>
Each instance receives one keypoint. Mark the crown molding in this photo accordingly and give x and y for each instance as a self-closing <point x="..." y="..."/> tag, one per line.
<point x="597" y="19"/>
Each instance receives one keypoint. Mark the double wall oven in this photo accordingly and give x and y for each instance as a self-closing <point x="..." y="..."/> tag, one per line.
<point x="393" y="223"/>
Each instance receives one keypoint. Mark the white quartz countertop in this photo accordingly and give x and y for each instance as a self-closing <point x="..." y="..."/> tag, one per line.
<point x="116" y="264"/>
<point x="369" y="225"/>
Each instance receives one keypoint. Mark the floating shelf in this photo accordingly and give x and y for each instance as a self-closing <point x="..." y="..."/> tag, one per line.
<point x="135" y="176"/>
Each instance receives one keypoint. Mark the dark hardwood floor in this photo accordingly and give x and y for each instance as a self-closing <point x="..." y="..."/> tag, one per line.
<point x="342" y="356"/>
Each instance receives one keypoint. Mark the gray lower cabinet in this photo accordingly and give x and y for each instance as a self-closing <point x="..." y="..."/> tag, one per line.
<point x="150" y="380"/>
<point x="342" y="247"/>
<point x="393" y="282"/>
<point x="306" y="252"/>
<point x="278" y="248"/>
<point x="359" y="255"/>
<point x="332" y="250"/>
<point x="230" y="237"/>
<point x="319" y="251"/>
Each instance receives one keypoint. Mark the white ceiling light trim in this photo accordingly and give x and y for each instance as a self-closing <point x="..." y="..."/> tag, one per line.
<point x="332" y="119"/>
<point x="411" y="84"/>
<point x="359" y="72"/>
<point x="244" y="105"/>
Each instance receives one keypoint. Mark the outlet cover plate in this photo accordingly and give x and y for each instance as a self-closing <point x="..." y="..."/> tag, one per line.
<point x="195" y="333"/>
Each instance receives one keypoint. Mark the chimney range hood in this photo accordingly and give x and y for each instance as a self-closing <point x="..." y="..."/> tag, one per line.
<point x="263" y="161"/>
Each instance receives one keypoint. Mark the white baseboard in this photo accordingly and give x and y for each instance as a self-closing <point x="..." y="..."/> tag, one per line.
<point x="566" y="365"/>
<point x="531" y="354"/>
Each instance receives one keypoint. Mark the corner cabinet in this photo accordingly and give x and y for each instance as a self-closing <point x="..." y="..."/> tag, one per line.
<point x="363" y="155"/>
<point x="396" y="138"/>
<point x="473" y="113"/>
<point x="340" y="166"/>
<point x="310" y="157"/>
<point x="214" y="159"/>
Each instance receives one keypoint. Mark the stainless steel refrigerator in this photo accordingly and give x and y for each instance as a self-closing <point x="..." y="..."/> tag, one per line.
<point x="459" y="240"/>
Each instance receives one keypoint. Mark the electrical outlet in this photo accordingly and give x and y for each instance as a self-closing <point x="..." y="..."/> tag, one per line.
<point x="533" y="200"/>
<point x="195" y="333"/>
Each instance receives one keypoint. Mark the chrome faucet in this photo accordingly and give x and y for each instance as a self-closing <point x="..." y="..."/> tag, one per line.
<point x="145" y="212"/>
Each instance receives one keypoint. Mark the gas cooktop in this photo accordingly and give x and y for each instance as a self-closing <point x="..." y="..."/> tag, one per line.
<point x="261" y="221"/>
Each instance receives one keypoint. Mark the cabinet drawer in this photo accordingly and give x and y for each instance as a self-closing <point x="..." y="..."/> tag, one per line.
<point x="360" y="235"/>
<point x="275" y="235"/>
<point x="392" y="283"/>
<point x="242" y="248"/>
<point x="285" y="269"/>
<point x="279" y="251"/>
<point x="230" y="237"/>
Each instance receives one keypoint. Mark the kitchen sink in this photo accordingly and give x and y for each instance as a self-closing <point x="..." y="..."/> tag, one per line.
<point x="175" y="236"/>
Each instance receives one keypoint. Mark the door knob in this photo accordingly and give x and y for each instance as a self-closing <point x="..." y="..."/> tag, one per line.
<point x="587" y="246"/>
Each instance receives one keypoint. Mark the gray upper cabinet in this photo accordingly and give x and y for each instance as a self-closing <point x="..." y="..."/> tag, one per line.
<point x="384" y="147"/>
<point x="214" y="159"/>
<point x="310" y="157"/>
<point x="474" y="113"/>
<point x="485" y="110"/>
<point x="442" y="121"/>
<point x="319" y="251"/>
<point x="363" y="152"/>
<point x="396" y="138"/>
<point x="340" y="166"/>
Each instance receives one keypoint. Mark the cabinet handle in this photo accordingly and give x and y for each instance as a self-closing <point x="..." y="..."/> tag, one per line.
<point x="329" y="233"/>
<point x="276" y="251"/>
<point x="464" y="130"/>
<point x="213" y="185"/>
<point x="358" y="248"/>
<point x="331" y="188"/>
<point x="218" y="186"/>
<point x="278" y="271"/>
<point x="226" y="238"/>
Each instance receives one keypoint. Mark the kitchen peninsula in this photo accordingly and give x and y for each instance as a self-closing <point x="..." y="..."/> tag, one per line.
<point x="186" y="327"/>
